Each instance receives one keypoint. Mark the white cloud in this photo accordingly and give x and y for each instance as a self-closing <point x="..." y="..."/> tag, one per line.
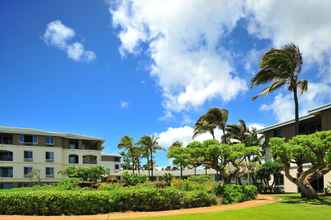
<point x="307" y="24"/>
<point x="283" y="106"/>
<point x="124" y="104"/>
<point x="60" y="36"/>
<point x="255" y="126"/>
<point x="183" y="40"/>
<point x="183" y="134"/>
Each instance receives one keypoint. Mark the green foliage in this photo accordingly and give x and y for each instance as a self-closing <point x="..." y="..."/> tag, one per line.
<point x="90" y="174"/>
<point x="167" y="177"/>
<point x="132" y="179"/>
<point x="68" y="184"/>
<point x="264" y="174"/>
<point x="238" y="193"/>
<point x="78" y="202"/>
<point x="188" y="185"/>
<point x="201" y="179"/>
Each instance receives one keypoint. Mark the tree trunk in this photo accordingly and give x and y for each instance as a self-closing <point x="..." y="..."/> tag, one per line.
<point x="296" y="109"/>
<point x="195" y="171"/>
<point x="306" y="189"/>
<point x="212" y="134"/>
<point x="181" y="171"/>
<point x="152" y="165"/>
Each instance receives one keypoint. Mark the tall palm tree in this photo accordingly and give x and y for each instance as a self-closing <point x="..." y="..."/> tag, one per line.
<point x="214" y="118"/>
<point x="281" y="67"/>
<point x="150" y="143"/>
<point x="127" y="143"/>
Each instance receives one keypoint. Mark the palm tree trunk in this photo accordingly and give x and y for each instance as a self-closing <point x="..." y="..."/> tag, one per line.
<point x="296" y="106"/>
<point x="152" y="174"/>
<point x="212" y="134"/>
<point x="181" y="171"/>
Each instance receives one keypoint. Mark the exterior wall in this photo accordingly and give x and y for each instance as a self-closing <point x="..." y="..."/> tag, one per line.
<point x="327" y="179"/>
<point x="110" y="165"/>
<point x="290" y="187"/>
<point x="39" y="163"/>
<point x="326" y="120"/>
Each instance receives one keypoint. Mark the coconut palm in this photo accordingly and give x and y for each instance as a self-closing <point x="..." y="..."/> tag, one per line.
<point x="238" y="131"/>
<point x="214" y="118"/>
<point x="281" y="67"/>
<point x="150" y="143"/>
<point x="127" y="144"/>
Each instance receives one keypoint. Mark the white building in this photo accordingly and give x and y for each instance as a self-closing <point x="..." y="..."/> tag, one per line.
<point x="30" y="155"/>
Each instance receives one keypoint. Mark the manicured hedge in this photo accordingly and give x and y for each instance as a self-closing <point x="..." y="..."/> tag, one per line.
<point x="238" y="193"/>
<point x="80" y="202"/>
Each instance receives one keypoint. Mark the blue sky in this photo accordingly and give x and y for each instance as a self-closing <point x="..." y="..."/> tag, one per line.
<point x="114" y="68"/>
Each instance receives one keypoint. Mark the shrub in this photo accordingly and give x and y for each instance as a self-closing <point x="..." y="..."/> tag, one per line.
<point x="132" y="179"/>
<point x="237" y="193"/>
<point x="110" y="186"/>
<point x="200" y="179"/>
<point x="189" y="185"/>
<point x="69" y="184"/>
<point x="83" y="202"/>
<point x="90" y="174"/>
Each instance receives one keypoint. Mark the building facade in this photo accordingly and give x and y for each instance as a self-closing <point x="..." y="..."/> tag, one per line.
<point x="30" y="155"/>
<point x="318" y="119"/>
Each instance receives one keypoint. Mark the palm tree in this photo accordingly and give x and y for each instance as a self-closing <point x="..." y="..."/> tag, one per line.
<point x="238" y="131"/>
<point x="127" y="143"/>
<point x="150" y="143"/>
<point x="281" y="67"/>
<point x="214" y="118"/>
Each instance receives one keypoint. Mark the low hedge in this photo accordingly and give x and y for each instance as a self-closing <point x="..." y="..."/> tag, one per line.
<point x="83" y="202"/>
<point x="238" y="193"/>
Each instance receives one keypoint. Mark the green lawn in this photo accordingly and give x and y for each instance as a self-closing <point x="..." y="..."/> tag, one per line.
<point x="290" y="207"/>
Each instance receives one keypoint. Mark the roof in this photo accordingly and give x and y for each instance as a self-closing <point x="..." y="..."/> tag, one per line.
<point x="32" y="131"/>
<point x="311" y="114"/>
<point x="111" y="155"/>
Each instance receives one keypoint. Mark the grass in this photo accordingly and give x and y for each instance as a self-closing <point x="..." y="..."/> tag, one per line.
<point x="290" y="207"/>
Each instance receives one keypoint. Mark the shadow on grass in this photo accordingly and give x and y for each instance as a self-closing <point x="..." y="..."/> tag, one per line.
<point x="321" y="200"/>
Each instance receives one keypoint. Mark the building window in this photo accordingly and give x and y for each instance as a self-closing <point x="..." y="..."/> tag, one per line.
<point x="28" y="172"/>
<point x="50" y="140"/>
<point x="49" y="156"/>
<point x="6" y="172"/>
<point x="6" y="155"/>
<point x="73" y="158"/>
<point x="73" y="144"/>
<point x="28" y="139"/>
<point x="117" y="159"/>
<point x="49" y="171"/>
<point x="117" y="166"/>
<point x="28" y="156"/>
<point x="90" y="159"/>
<point x="6" y="139"/>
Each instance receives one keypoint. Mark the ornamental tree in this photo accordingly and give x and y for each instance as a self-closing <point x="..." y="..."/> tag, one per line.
<point x="313" y="150"/>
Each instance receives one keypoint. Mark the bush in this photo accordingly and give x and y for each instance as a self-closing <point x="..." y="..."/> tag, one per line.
<point x="132" y="179"/>
<point x="238" y="193"/>
<point x="69" y="184"/>
<point x="83" y="202"/>
<point x="189" y="185"/>
<point x="86" y="174"/>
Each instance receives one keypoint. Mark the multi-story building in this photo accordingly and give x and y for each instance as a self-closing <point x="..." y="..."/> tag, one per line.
<point x="30" y="155"/>
<point x="318" y="119"/>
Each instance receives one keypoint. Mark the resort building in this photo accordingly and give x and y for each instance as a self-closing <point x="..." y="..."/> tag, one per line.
<point x="318" y="119"/>
<point x="30" y="155"/>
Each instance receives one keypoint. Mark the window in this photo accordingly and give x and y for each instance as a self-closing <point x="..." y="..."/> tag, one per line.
<point x="28" y="172"/>
<point x="6" y="155"/>
<point x="90" y="159"/>
<point x="49" y="156"/>
<point x="6" y="139"/>
<point x="73" y="158"/>
<point x="49" y="171"/>
<point x="73" y="144"/>
<point x="6" y="172"/>
<point x="28" y="139"/>
<point x="117" y="159"/>
<point x="28" y="156"/>
<point x="50" y="140"/>
<point x="117" y="166"/>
